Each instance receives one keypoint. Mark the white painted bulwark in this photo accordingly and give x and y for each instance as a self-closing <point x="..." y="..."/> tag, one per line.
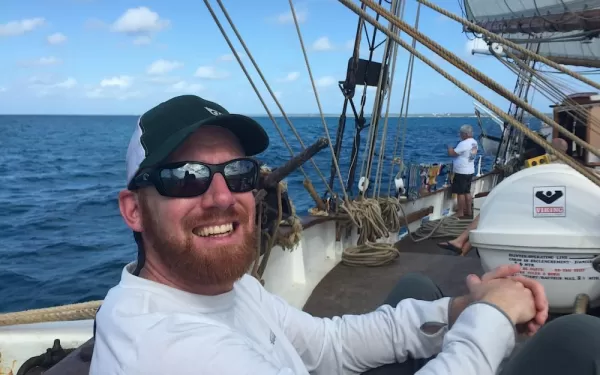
<point x="293" y="275"/>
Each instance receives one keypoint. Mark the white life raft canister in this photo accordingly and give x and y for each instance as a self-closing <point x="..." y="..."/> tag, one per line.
<point x="547" y="219"/>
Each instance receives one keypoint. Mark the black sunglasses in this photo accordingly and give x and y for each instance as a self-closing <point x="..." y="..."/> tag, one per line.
<point x="192" y="178"/>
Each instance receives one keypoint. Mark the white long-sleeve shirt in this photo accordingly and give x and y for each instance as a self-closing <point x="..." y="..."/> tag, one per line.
<point x="146" y="328"/>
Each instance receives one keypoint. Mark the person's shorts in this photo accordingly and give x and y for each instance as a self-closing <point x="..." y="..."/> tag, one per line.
<point x="461" y="184"/>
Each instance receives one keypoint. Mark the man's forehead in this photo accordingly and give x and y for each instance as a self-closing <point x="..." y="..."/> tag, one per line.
<point x="210" y="137"/>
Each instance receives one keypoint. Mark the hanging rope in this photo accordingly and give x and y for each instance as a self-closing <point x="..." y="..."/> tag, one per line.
<point x="273" y="235"/>
<point x="403" y="119"/>
<point x="312" y="81"/>
<point x="390" y="86"/>
<point x="470" y="70"/>
<point x="500" y="39"/>
<point x="529" y="133"/>
<point x="550" y="91"/>
<point x="232" y="25"/>
<point x="390" y="213"/>
<point x="367" y="163"/>
<point x="376" y="114"/>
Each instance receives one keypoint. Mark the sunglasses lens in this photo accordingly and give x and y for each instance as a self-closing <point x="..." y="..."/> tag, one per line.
<point x="187" y="180"/>
<point x="241" y="175"/>
<point x="193" y="179"/>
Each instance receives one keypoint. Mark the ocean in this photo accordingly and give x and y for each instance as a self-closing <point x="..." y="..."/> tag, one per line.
<point x="63" y="239"/>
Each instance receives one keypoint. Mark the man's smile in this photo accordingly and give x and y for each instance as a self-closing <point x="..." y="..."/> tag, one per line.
<point x="220" y="230"/>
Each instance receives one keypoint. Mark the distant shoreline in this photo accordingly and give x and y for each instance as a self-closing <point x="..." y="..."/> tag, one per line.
<point x="394" y="115"/>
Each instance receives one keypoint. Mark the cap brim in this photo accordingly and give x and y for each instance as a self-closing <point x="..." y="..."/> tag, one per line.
<point x="251" y="135"/>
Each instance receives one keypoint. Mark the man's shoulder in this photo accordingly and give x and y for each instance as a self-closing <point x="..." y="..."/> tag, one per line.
<point x="156" y="343"/>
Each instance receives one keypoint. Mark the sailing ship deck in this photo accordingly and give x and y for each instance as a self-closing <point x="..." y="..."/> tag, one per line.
<point x="356" y="290"/>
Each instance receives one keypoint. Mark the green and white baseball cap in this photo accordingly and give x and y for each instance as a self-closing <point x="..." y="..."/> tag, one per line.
<point x="162" y="129"/>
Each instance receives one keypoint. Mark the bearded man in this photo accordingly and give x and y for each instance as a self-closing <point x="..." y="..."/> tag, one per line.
<point x="188" y="306"/>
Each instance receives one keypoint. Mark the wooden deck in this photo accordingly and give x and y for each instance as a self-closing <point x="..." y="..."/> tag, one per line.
<point x="356" y="290"/>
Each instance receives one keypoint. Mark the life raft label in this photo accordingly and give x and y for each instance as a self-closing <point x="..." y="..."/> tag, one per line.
<point x="549" y="201"/>
<point x="555" y="267"/>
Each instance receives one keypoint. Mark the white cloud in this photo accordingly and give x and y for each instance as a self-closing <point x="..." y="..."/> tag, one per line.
<point x="104" y="93"/>
<point x="3" y="89"/>
<point x="287" y="17"/>
<point x="325" y="81"/>
<point x="162" y="80"/>
<point x="23" y="26"/>
<point x="209" y="72"/>
<point x="278" y="94"/>
<point x="185" y="87"/>
<point x="290" y="77"/>
<point x="121" y="82"/>
<point x="45" y="85"/>
<point x="42" y="61"/>
<point x="57" y="38"/>
<point x="139" y="20"/>
<point x="143" y="40"/>
<point x="69" y="83"/>
<point x="160" y="67"/>
<point x="51" y="60"/>
<point x="231" y="57"/>
<point x="322" y="44"/>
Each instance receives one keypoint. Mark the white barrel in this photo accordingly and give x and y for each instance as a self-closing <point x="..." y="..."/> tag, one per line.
<point x="547" y="219"/>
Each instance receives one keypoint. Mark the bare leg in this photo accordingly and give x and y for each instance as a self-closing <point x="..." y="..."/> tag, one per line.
<point x="460" y="209"/>
<point x="468" y="204"/>
<point x="462" y="241"/>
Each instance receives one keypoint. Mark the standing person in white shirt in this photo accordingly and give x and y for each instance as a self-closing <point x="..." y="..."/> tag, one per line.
<point x="464" y="168"/>
<point x="188" y="306"/>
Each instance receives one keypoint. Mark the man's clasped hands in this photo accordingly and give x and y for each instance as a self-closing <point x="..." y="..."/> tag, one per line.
<point x="522" y="299"/>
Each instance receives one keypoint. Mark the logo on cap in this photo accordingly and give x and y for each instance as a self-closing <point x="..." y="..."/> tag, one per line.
<point x="213" y="112"/>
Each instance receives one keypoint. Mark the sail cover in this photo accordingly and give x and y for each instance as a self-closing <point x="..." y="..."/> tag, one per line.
<point x="567" y="30"/>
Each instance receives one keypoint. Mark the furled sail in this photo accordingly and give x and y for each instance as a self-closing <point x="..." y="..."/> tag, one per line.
<point x="565" y="31"/>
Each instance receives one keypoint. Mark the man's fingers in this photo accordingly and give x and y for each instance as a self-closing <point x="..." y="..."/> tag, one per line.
<point x="541" y="317"/>
<point x="472" y="280"/>
<point x="539" y="294"/>
<point x="501" y="272"/>
<point x="533" y="327"/>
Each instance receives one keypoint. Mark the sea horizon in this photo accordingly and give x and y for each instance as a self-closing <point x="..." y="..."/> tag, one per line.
<point x="304" y="115"/>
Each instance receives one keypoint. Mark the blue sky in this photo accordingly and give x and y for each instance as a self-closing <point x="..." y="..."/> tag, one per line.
<point x="123" y="57"/>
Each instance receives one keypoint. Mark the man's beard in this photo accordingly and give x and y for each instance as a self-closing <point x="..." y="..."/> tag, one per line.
<point x="212" y="266"/>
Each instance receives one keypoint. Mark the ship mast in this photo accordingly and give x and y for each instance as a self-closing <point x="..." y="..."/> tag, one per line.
<point x="365" y="72"/>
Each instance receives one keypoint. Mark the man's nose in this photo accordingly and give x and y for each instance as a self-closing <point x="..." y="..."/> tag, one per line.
<point x="218" y="194"/>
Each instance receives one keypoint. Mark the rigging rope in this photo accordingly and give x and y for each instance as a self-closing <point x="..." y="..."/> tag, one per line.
<point x="551" y="92"/>
<point x="218" y="23"/>
<point x="390" y="86"/>
<point x="469" y="69"/>
<point x="382" y="86"/>
<point x="312" y="81"/>
<point x="258" y="70"/>
<point x="403" y="119"/>
<point x="510" y="44"/>
<point x="529" y="133"/>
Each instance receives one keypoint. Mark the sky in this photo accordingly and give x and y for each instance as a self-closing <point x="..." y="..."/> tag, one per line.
<point x="123" y="57"/>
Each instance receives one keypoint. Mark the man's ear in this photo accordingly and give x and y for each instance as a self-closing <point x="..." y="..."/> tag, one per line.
<point x="129" y="204"/>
